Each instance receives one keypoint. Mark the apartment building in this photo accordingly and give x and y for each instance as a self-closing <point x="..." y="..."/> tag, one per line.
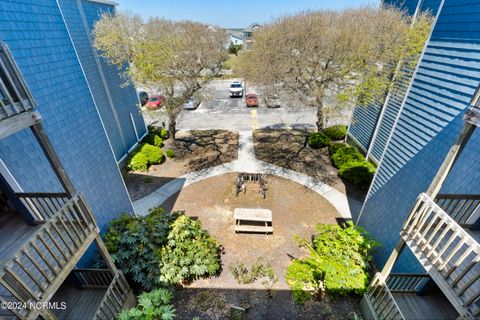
<point x="423" y="204"/>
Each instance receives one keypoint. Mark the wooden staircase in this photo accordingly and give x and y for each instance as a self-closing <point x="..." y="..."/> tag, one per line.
<point x="448" y="253"/>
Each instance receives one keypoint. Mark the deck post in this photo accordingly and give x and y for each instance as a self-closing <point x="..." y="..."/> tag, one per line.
<point x="104" y="253"/>
<point x="52" y="158"/>
<point x="387" y="268"/>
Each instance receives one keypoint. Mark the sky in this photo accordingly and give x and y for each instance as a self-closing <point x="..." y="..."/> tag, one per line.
<point x="231" y="13"/>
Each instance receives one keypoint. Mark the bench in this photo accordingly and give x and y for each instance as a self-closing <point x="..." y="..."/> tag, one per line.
<point x="245" y="216"/>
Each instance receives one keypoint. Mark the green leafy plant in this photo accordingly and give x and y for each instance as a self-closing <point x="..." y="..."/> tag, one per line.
<point x="153" y="305"/>
<point x="344" y="155"/>
<point x="259" y="270"/>
<point x="154" y="154"/>
<point x="170" y="153"/>
<point x="190" y="253"/>
<point x="318" y="140"/>
<point x="338" y="263"/>
<point x="139" y="162"/>
<point x="153" y="139"/>
<point x="164" y="133"/>
<point x="357" y="172"/>
<point x="135" y="244"/>
<point x="333" y="148"/>
<point x="336" y="132"/>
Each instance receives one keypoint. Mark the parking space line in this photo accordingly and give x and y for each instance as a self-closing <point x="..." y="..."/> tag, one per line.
<point x="255" y="119"/>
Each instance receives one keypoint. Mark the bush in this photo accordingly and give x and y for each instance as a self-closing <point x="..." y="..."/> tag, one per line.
<point x="154" y="154"/>
<point x="336" y="132"/>
<point x="318" y="140"/>
<point x="153" y="139"/>
<point x="333" y="148"/>
<point x="164" y="133"/>
<point x="151" y="306"/>
<point x="135" y="244"/>
<point x="161" y="132"/>
<point x="344" y="155"/>
<point x="357" y="172"/>
<point x="190" y="253"/>
<point x="259" y="269"/>
<point x="139" y="162"/>
<point x="338" y="263"/>
<point x="170" y="153"/>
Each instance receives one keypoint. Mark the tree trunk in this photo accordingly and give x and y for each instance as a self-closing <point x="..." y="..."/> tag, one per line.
<point x="319" y="122"/>
<point x="172" y="128"/>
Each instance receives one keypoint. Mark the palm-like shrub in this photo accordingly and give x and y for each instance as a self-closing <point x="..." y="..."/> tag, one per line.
<point x="190" y="253"/>
<point x="153" y="305"/>
<point x="135" y="244"/>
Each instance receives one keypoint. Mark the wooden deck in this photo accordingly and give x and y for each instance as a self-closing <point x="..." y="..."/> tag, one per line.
<point x="433" y="306"/>
<point x="80" y="303"/>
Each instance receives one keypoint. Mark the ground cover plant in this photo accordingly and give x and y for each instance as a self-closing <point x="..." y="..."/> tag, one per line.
<point x="338" y="262"/>
<point x="260" y="269"/>
<point x="151" y="306"/>
<point x="162" y="248"/>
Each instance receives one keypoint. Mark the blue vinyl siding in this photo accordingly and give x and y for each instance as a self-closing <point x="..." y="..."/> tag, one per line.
<point x="429" y="124"/>
<point x="40" y="44"/>
<point x="363" y="123"/>
<point x="124" y="95"/>
<point x="409" y="6"/>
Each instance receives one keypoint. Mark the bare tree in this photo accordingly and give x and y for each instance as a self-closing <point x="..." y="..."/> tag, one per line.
<point x="176" y="58"/>
<point x="353" y="53"/>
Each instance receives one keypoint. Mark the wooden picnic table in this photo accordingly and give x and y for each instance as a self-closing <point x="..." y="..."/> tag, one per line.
<point x="243" y="216"/>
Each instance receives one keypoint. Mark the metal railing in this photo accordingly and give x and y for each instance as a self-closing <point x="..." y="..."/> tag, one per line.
<point x="381" y="300"/>
<point x="460" y="207"/>
<point x="440" y="242"/>
<point x="39" y="267"/>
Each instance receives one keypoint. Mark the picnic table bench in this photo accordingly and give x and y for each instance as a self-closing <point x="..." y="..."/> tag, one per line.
<point x="253" y="220"/>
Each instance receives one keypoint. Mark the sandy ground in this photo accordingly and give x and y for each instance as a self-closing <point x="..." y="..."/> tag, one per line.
<point x="295" y="209"/>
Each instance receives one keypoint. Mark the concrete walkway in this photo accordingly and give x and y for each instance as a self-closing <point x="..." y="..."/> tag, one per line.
<point x="247" y="162"/>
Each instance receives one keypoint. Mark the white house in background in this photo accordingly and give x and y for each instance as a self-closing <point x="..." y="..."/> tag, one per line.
<point x="236" y="39"/>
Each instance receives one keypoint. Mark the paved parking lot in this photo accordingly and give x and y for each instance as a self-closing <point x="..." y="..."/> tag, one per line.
<point x="219" y="111"/>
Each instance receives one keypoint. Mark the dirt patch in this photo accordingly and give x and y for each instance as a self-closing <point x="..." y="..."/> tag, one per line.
<point x="194" y="150"/>
<point x="295" y="210"/>
<point x="289" y="149"/>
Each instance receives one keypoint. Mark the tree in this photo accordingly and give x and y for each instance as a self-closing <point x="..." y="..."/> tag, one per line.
<point x="234" y="48"/>
<point x="353" y="53"/>
<point x="175" y="58"/>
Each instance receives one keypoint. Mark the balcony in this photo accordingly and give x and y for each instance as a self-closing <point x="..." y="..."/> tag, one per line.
<point x="400" y="297"/>
<point x="16" y="102"/>
<point x="449" y="253"/>
<point x="94" y="294"/>
<point x="37" y="259"/>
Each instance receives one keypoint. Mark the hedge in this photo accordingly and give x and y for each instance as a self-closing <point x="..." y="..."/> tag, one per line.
<point x="318" y="140"/>
<point x="139" y="162"/>
<point x="333" y="148"/>
<point x="336" y="132"/>
<point x="153" y="139"/>
<point x="357" y="172"/>
<point x="344" y="155"/>
<point x="154" y="154"/>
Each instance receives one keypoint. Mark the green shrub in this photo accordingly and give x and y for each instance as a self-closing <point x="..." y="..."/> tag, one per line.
<point x="170" y="153"/>
<point x="318" y="140"/>
<point x="339" y="262"/>
<point x="333" y="148"/>
<point x="357" y="172"/>
<point x="336" y="132"/>
<point x="154" y="154"/>
<point x="136" y="242"/>
<point x="164" y="133"/>
<point x="151" y="306"/>
<point x="153" y="139"/>
<point x="190" y="253"/>
<point x="259" y="269"/>
<point x="139" y="162"/>
<point x="344" y="155"/>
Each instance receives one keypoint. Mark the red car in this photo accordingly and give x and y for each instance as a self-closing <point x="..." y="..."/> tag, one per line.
<point x="252" y="100"/>
<point x="156" y="102"/>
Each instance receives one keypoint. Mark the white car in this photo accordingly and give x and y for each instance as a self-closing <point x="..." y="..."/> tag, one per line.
<point x="236" y="89"/>
<point x="191" y="104"/>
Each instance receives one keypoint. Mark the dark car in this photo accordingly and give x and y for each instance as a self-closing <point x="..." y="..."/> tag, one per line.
<point x="143" y="96"/>
<point x="252" y="100"/>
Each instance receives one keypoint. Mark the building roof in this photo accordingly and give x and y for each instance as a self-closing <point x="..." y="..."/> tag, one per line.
<point x="112" y="3"/>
